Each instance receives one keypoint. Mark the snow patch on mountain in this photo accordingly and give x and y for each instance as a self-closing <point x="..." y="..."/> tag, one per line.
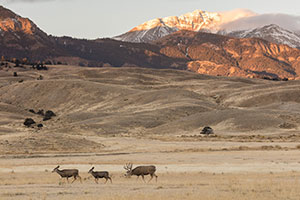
<point x="272" y="33"/>
<point x="147" y="35"/>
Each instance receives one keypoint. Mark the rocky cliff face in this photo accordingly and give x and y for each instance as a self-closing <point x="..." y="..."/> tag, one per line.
<point x="225" y="56"/>
<point x="10" y="22"/>
<point x="17" y="25"/>
<point x="20" y="37"/>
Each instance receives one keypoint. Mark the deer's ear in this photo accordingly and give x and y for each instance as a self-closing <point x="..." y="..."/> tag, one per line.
<point x="92" y="168"/>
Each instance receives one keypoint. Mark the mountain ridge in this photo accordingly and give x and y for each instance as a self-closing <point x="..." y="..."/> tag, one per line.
<point x="213" y="54"/>
<point x="213" y="22"/>
<point x="197" y="20"/>
<point x="200" y="52"/>
<point x="272" y="33"/>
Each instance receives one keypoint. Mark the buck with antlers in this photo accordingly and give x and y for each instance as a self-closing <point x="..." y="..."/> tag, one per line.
<point x="140" y="171"/>
<point x="67" y="173"/>
<point x="101" y="174"/>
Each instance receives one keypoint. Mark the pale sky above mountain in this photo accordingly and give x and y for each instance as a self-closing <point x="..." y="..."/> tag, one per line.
<point x="101" y="18"/>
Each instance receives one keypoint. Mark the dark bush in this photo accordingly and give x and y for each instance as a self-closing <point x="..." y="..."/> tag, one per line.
<point x="207" y="130"/>
<point x="48" y="62"/>
<point x="46" y="118"/>
<point x="41" y="67"/>
<point x="41" y="112"/>
<point x="28" y="122"/>
<point x="17" y="63"/>
<point x="32" y="111"/>
<point x="40" y="77"/>
<point x="48" y="115"/>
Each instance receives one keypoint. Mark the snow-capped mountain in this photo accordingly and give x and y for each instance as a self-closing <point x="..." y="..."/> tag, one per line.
<point x="195" y="21"/>
<point x="272" y="33"/>
<point x="146" y="35"/>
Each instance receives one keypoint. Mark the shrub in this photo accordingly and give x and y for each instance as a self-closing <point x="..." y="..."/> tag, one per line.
<point x="28" y="122"/>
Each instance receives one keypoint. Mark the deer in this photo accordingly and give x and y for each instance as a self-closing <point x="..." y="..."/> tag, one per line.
<point x="99" y="174"/>
<point x="67" y="173"/>
<point x="140" y="171"/>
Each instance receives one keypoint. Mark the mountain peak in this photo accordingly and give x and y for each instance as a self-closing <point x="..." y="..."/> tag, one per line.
<point x="6" y="13"/>
<point x="271" y="27"/>
<point x="273" y="33"/>
<point x="193" y="21"/>
<point x="198" y="20"/>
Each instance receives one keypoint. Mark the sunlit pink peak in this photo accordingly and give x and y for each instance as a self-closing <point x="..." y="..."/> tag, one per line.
<point x="196" y="20"/>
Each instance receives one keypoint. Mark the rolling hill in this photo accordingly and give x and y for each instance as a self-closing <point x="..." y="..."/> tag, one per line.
<point x="138" y="102"/>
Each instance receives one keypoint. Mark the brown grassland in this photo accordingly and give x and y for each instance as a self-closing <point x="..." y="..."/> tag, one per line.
<point x="170" y="186"/>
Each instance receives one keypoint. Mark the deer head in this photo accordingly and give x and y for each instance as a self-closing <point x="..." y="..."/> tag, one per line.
<point x="128" y="168"/>
<point x="55" y="169"/>
<point x="90" y="171"/>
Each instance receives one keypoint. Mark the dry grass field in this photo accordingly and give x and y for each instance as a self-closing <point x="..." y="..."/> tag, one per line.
<point x="184" y="175"/>
<point x="170" y="186"/>
<point x="106" y="117"/>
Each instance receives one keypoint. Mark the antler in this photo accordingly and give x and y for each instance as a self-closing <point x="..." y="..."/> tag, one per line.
<point x="128" y="166"/>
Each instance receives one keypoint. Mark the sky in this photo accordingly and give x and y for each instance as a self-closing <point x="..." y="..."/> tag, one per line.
<point x="93" y="19"/>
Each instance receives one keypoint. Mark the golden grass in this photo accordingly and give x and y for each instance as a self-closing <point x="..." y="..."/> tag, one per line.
<point x="192" y="186"/>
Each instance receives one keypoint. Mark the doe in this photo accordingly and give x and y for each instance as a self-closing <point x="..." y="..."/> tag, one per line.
<point x="99" y="174"/>
<point x="67" y="173"/>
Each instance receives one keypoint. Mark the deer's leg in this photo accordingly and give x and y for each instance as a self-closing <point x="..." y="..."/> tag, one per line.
<point x="109" y="179"/>
<point x="68" y="179"/>
<point x="74" y="179"/>
<point x="150" y="178"/>
<point x="155" y="177"/>
<point x="79" y="178"/>
<point x="96" y="180"/>
<point x="105" y="180"/>
<point x="143" y="178"/>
